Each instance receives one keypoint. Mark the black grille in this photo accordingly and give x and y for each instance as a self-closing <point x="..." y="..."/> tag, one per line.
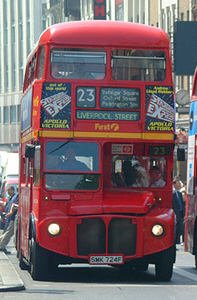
<point x="122" y="236"/>
<point x="91" y="237"/>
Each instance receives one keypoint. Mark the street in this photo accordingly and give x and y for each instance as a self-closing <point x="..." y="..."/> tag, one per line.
<point x="85" y="282"/>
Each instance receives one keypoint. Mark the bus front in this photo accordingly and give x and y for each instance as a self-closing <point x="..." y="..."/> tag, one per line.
<point x="102" y="153"/>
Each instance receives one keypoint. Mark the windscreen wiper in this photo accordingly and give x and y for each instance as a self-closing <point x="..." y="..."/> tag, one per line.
<point x="61" y="146"/>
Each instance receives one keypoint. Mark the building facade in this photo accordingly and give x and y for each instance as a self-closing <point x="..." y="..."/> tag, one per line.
<point x="21" y="22"/>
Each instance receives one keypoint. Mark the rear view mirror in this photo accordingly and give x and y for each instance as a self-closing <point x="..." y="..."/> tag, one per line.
<point x="29" y="151"/>
<point x="180" y="154"/>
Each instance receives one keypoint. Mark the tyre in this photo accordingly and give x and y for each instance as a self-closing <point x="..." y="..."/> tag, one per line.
<point x="39" y="263"/>
<point x="164" y="264"/>
<point x="196" y="261"/>
<point x="20" y="256"/>
<point x="22" y="263"/>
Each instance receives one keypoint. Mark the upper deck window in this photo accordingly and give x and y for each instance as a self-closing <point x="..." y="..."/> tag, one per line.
<point x="41" y="63"/>
<point x="78" y="63"/>
<point x="145" y="65"/>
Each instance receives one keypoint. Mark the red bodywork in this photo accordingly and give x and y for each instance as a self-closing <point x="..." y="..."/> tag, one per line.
<point x="87" y="215"/>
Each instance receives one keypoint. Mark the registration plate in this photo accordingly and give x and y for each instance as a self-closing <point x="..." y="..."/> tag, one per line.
<point x="106" y="259"/>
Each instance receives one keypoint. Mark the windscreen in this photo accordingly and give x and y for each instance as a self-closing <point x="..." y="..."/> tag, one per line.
<point x="71" y="165"/>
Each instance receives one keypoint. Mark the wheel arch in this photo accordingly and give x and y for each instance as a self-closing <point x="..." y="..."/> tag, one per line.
<point x="32" y="227"/>
<point x="195" y="237"/>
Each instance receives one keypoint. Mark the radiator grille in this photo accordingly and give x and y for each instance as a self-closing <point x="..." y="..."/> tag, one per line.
<point x="122" y="236"/>
<point x="91" y="236"/>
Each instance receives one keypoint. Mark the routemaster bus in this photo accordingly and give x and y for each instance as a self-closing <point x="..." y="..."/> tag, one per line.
<point x="191" y="192"/>
<point x="97" y="139"/>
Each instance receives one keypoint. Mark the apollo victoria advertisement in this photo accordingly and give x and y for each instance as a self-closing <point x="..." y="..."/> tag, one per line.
<point x="56" y="106"/>
<point x="160" y="112"/>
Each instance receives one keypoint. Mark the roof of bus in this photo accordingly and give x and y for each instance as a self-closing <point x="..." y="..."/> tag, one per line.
<point x="105" y="33"/>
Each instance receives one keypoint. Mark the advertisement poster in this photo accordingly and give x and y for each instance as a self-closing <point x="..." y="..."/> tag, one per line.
<point x="55" y="106"/>
<point x="26" y="110"/>
<point x="160" y="112"/>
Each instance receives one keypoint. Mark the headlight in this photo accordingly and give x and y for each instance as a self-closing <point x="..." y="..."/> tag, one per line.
<point x="54" y="229"/>
<point x="157" y="230"/>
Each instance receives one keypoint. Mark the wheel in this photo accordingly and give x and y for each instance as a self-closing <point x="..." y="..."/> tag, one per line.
<point x="22" y="263"/>
<point x="20" y="256"/>
<point x="164" y="264"/>
<point x="42" y="262"/>
<point x="196" y="261"/>
<point x="39" y="263"/>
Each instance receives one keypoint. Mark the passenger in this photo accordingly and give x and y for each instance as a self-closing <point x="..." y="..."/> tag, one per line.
<point x="156" y="178"/>
<point x="142" y="177"/>
<point x="71" y="163"/>
<point x="56" y="68"/>
<point x="130" y="173"/>
<point x="80" y="72"/>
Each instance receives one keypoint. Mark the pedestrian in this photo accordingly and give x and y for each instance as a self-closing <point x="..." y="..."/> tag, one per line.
<point x="10" y="217"/>
<point x="179" y="209"/>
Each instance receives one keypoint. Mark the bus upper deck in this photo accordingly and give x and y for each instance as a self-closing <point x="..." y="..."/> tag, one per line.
<point x="127" y="86"/>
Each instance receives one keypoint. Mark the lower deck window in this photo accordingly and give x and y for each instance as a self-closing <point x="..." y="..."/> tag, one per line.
<point x="138" y="171"/>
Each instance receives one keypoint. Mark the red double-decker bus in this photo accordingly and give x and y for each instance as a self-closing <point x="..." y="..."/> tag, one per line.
<point x="191" y="191"/>
<point x="97" y="138"/>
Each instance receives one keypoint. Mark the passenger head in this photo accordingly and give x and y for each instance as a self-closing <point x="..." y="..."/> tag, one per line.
<point x="156" y="173"/>
<point x="56" y="67"/>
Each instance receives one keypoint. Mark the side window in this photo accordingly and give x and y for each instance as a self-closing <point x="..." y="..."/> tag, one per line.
<point x="33" y="68"/>
<point x="26" y="78"/>
<point x="37" y="166"/>
<point x="41" y="61"/>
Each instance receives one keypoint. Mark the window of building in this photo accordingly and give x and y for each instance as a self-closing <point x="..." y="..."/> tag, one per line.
<point x="18" y="113"/>
<point x="6" y="119"/>
<point x="13" y="114"/>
